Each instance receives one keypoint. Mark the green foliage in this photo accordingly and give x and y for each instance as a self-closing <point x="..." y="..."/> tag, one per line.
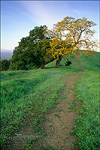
<point x="68" y="63"/>
<point x="37" y="33"/>
<point x="37" y="128"/>
<point x="4" y="65"/>
<point x="32" y="50"/>
<point x="36" y="121"/>
<point x="22" y="57"/>
<point x="42" y="52"/>
<point x="30" y="142"/>
<point x="87" y="129"/>
<point x="72" y="104"/>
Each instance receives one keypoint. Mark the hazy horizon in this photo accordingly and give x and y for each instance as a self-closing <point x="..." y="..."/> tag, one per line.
<point x="6" y="54"/>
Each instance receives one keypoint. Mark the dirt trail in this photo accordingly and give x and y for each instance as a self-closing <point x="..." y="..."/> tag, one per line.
<point x="58" y="124"/>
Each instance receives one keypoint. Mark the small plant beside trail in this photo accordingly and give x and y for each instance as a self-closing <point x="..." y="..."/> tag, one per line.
<point x="72" y="104"/>
<point x="30" y="143"/>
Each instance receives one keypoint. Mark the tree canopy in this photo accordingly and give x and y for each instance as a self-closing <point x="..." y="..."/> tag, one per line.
<point x="31" y="49"/>
<point x="69" y="35"/>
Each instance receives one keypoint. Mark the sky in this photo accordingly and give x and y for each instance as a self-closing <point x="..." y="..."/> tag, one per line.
<point x="19" y="17"/>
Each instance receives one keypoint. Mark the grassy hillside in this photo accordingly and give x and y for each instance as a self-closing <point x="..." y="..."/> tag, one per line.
<point x="81" y="60"/>
<point x="31" y="93"/>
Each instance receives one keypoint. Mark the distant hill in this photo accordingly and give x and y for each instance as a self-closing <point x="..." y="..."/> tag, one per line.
<point x="6" y="54"/>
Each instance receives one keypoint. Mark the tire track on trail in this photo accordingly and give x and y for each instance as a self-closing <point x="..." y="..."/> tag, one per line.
<point x="59" y="123"/>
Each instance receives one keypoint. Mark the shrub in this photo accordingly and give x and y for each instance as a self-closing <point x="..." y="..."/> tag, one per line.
<point x="4" y="65"/>
<point x="68" y="63"/>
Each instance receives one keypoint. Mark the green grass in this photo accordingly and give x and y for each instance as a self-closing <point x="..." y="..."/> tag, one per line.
<point x="72" y="105"/>
<point x="87" y="62"/>
<point x="28" y="93"/>
<point x="31" y="93"/>
<point x="88" y="123"/>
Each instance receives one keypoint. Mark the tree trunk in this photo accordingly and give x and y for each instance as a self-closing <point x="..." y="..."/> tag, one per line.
<point x="42" y="66"/>
<point x="58" y="61"/>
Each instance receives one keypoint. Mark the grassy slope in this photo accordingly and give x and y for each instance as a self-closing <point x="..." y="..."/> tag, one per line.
<point x="32" y="93"/>
<point x="88" y="129"/>
<point x="90" y="63"/>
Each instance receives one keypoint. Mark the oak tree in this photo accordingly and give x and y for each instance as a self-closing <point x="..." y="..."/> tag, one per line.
<point x="69" y="35"/>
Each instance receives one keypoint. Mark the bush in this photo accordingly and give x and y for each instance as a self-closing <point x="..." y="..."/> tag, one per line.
<point x="4" y="65"/>
<point x="68" y="63"/>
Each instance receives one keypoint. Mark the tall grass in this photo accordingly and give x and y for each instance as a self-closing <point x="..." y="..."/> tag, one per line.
<point x="88" y="123"/>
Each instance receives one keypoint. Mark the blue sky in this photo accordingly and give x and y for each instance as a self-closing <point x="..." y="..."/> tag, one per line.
<point x="19" y="17"/>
